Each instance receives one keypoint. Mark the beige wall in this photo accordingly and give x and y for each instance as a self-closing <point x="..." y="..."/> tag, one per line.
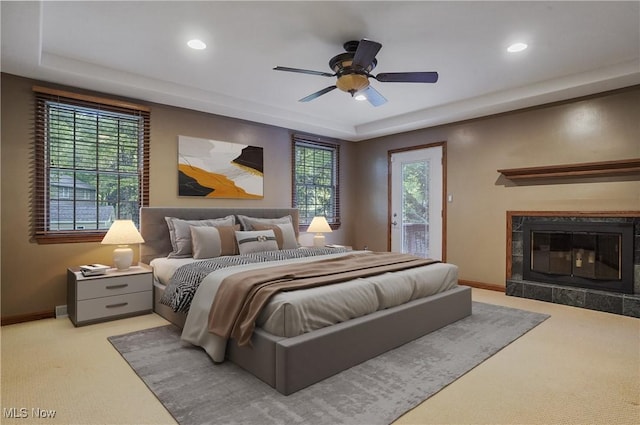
<point x="595" y="129"/>
<point x="598" y="128"/>
<point x="33" y="276"/>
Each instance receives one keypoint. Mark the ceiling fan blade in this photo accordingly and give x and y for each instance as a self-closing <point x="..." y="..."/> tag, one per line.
<point x="373" y="96"/>
<point x="303" y="71"/>
<point x="366" y="53"/>
<point x="407" y="77"/>
<point x="317" y="94"/>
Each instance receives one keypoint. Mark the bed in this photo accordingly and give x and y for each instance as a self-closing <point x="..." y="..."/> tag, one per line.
<point x="293" y="358"/>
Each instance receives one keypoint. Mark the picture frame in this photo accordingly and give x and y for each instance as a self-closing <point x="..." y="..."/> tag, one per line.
<point x="218" y="169"/>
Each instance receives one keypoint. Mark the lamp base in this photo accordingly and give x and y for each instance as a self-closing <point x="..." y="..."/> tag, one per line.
<point x="318" y="240"/>
<point x="122" y="257"/>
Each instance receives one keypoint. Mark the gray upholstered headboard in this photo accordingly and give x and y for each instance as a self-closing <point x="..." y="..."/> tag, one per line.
<point x="155" y="232"/>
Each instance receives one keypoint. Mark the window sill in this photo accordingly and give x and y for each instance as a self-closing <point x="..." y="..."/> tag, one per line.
<point x="58" y="238"/>
<point x="304" y="227"/>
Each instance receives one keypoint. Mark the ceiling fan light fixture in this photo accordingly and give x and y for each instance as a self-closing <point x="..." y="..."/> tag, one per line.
<point x="352" y="83"/>
<point x="360" y="97"/>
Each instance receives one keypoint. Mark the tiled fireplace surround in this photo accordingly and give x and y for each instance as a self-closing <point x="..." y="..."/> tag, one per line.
<point x="611" y="302"/>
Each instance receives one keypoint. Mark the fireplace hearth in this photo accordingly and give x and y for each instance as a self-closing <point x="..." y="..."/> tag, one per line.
<point x="585" y="261"/>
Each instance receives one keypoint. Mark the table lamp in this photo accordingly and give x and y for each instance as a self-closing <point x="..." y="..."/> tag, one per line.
<point x="319" y="226"/>
<point x="122" y="233"/>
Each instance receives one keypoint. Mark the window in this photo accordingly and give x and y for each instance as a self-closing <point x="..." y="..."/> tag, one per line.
<point x="316" y="188"/>
<point x="91" y="165"/>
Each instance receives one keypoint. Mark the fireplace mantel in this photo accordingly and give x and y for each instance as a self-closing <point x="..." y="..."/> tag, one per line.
<point x="623" y="167"/>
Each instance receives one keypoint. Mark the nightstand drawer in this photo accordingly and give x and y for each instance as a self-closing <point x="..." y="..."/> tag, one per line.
<point x="100" y="308"/>
<point x="117" y="285"/>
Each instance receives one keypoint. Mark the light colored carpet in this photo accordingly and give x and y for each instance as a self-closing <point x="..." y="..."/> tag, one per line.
<point x="195" y="391"/>
<point x="578" y="367"/>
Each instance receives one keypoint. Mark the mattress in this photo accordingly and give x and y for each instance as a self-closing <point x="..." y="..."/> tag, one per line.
<point x="293" y="313"/>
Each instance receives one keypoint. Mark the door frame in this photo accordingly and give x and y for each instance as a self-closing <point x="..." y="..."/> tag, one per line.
<point x="444" y="191"/>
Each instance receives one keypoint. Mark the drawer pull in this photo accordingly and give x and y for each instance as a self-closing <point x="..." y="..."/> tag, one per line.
<point x="124" y="285"/>
<point x="117" y="305"/>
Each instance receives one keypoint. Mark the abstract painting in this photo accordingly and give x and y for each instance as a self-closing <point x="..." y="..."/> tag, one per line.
<point x="215" y="169"/>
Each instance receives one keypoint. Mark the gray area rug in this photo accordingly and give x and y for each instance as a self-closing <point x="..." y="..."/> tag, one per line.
<point x="196" y="391"/>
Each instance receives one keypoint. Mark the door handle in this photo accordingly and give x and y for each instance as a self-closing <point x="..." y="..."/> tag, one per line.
<point x="395" y="223"/>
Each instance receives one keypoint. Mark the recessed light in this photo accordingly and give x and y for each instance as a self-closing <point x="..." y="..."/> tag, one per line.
<point x="196" y="44"/>
<point x="517" y="47"/>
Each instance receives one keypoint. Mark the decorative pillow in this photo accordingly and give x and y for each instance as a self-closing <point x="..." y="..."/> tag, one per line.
<point x="248" y="222"/>
<point x="211" y="242"/>
<point x="285" y="235"/>
<point x="256" y="241"/>
<point x="180" y="232"/>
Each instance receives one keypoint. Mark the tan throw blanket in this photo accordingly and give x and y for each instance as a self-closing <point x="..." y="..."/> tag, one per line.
<point x="241" y="296"/>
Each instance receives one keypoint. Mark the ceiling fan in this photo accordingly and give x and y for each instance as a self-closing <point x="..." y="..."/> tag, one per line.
<point x="353" y="70"/>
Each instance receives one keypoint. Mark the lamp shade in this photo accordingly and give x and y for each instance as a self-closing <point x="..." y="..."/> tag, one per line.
<point x="319" y="225"/>
<point x="122" y="232"/>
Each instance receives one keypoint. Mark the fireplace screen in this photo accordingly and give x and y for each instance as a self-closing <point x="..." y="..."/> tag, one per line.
<point x="594" y="255"/>
<point x="588" y="255"/>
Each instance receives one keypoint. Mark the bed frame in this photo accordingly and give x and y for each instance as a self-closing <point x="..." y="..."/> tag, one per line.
<point x="290" y="364"/>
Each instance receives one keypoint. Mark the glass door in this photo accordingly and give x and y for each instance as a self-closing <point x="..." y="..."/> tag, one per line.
<point x="416" y="202"/>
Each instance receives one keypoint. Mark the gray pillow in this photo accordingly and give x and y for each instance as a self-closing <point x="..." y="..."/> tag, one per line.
<point x="256" y="241"/>
<point x="180" y="232"/>
<point x="247" y="222"/>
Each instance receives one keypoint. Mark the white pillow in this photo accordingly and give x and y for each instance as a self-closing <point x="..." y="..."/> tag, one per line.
<point x="180" y="232"/>
<point x="285" y="235"/>
<point x="256" y="241"/>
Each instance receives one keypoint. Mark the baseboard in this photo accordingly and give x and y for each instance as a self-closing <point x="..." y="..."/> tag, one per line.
<point x="481" y="285"/>
<point x="11" y="320"/>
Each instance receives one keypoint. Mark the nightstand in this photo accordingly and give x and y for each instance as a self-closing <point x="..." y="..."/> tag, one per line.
<point x="110" y="296"/>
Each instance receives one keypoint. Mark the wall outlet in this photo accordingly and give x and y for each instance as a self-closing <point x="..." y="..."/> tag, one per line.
<point x="61" y="311"/>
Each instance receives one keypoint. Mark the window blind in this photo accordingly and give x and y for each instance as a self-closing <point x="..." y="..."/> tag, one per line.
<point x="316" y="188"/>
<point x="91" y="165"/>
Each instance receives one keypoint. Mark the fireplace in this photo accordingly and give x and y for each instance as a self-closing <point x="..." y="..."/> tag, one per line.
<point x="587" y="260"/>
<point x="588" y="255"/>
